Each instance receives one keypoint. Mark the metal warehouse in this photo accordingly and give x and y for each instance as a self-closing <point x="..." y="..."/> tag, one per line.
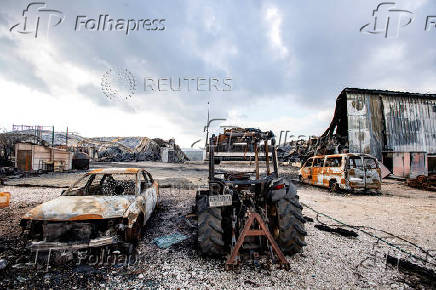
<point x="399" y="128"/>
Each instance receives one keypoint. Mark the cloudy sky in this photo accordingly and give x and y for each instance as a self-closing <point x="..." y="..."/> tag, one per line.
<point x="287" y="61"/>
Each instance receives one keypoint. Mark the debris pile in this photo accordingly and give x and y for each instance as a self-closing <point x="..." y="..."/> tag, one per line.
<point x="300" y="150"/>
<point x="423" y="182"/>
<point x="110" y="149"/>
<point x="333" y="141"/>
<point x="137" y="149"/>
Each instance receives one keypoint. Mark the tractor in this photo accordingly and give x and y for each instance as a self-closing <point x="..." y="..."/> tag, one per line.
<point x="236" y="201"/>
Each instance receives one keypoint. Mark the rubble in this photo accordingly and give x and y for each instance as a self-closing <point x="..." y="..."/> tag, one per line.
<point x="423" y="182"/>
<point x="106" y="149"/>
<point x="329" y="260"/>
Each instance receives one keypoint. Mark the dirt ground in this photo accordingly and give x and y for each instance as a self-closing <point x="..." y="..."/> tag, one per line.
<point x="329" y="260"/>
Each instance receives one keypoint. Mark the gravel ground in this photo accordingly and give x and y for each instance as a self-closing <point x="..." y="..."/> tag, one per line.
<point x="328" y="261"/>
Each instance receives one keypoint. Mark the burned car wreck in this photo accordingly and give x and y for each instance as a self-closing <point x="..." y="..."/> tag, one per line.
<point x="351" y="172"/>
<point x="103" y="207"/>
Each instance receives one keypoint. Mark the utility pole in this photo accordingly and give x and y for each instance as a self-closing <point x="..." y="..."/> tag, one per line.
<point x="52" y="137"/>
<point x="280" y="138"/>
<point x="207" y="132"/>
<point x="286" y="136"/>
<point x="206" y="128"/>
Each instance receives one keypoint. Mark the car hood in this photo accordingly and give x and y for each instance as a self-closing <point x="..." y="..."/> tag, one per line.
<point x="68" y="208"/>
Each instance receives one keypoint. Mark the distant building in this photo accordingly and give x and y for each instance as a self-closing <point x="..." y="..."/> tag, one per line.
<point x="398" y="128"/>
<point x="194" y="154"/>
<point x="30" y="157"/>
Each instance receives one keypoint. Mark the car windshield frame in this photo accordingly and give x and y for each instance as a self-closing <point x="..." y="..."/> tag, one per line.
<point x="72" y="191"/>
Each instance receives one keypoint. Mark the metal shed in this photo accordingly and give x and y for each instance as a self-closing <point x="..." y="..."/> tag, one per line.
<point x="399" y="128"/>
<point x="31" y="157"/>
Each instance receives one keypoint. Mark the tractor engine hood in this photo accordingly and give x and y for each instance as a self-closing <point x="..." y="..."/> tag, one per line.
<point x="69" y="208"/>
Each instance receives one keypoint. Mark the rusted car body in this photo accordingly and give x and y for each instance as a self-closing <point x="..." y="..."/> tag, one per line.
<point x="348" y="171"/>
<point x="103" y="207"/>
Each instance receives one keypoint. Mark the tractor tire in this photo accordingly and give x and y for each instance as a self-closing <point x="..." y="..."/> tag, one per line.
<point x="210" y="230"/>
<point x="290" y="223"/>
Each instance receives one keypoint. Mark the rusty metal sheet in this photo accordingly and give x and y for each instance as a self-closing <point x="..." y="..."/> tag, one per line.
<point x="401" y="164"/>
<point x="384" y="171"/>
<point x="24" y="160"/>
<point x="4" y="199"/>
<point x="418" y="164"/>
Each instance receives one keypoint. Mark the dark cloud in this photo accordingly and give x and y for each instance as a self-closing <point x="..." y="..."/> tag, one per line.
<point x="325" y="53"/>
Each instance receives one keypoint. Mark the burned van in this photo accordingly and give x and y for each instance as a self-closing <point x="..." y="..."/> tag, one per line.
<point x="350" y="171"/>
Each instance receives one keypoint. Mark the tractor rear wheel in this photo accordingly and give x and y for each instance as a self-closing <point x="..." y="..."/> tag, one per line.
<point x="210" y="230"/>
<point x="291" y="232"/>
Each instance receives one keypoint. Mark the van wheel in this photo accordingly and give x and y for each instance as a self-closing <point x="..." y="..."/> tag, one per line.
<point x="333" y="186"/>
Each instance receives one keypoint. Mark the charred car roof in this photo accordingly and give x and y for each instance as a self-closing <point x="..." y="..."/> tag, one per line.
<point x="116" y="171"/>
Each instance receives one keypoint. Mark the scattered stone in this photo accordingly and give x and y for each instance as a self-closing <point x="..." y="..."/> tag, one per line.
<point x="3" y="264"/>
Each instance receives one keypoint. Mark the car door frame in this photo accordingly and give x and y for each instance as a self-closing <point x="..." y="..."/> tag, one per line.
<point x="376" y="170"/>
<point x="356" y="170"/>
<point x="147" y="195"/>
<point x="319" y="175"/>
<point x="307" y="170"/>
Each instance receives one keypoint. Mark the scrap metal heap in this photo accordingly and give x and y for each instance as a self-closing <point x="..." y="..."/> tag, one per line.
<point x="110" y="149"/>
<point x="333" y="141"/>
<point x="236" y="144"/>
<point x="235" y="139"/>
<point x="236" y="201"/>
<point x="423" y="182"/>
<point x="116" y="149"/>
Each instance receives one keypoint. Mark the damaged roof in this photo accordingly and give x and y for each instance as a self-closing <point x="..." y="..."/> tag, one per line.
<point x="386" y="92"/>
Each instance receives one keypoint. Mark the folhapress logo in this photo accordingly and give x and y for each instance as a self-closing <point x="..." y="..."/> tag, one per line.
<point x="388" y="20"/>
<point x="36" y="18"/>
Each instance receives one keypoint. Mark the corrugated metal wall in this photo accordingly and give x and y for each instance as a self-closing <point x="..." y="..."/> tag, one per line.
<point x="359" y="133"/>
<point x="410" y="124"/>
<point x="378" y="122"/>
